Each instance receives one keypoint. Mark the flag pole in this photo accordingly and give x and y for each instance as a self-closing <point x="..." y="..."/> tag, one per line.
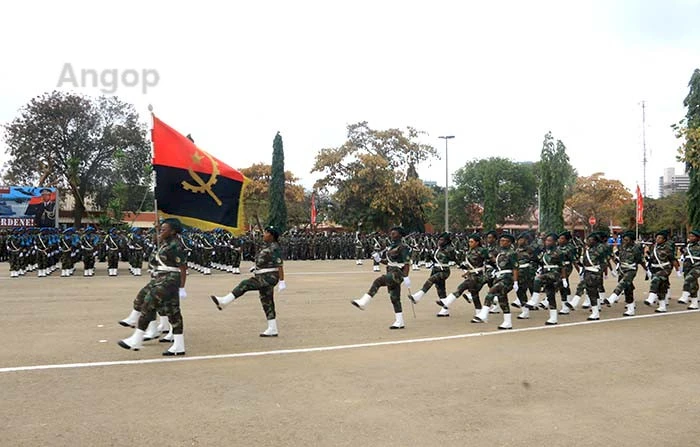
<point x="156" y="223"/>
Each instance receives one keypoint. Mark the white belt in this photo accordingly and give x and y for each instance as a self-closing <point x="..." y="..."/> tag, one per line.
<point x="442" y="266"/>
<point x="567" y="262"/>
<point x="395" y="264"/>
<point x="503" y="272"/>
<point x="661" y="265"/>
<point x="522" y="266"/>
<point x="550" y="267"/>
<point x="592" y="269"/>
<point x="628" y="266"/>
<point x="167" y="269"/>
<point x="269" y="270"/>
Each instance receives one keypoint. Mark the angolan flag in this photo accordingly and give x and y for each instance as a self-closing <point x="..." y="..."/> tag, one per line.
<point x="194" y="186"/>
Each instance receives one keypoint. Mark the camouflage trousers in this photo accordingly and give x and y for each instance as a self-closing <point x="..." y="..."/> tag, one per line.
<point x="437" y="277"/>
<point x="566" y="291"/>
<point x="112" y="259"/>
<point x="625" y="284"/>
<point x="359" y="253"/>
<point x="160" y="295"/>
<point x="549" y="283"/>
<point x="690" y="281"/>
<point x="88" y="259"/>
<point x="500" y="288"/>
<point x="660" y="283"/>
<point x="392" y="280"/>
<point x="581" y="287"/>
<point x="592" y="283"/>
<point x="473" y="283"/>
<point x="235" y="258"/>
<point x="42" y="260"/>
<point x="526" y="282"/>
<point x="136" y="259"/>
<point x="66" y="260"/>
<point x="15" y="261"/>
<point x="265" y="285"/>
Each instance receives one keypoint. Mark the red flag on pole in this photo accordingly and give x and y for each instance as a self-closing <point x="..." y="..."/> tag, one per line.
<point x="640" y="207"/>
<point x="313" y="210"/>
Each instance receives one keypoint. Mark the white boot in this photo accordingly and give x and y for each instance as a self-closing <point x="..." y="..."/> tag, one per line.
<point x="178" y="347"/>
<point x="574" y="302"/>
<point x="398" y="323"/>
<point x="630" y="310"/>
<point x="443" y="313"/>
<point x="525" y="314"/>
<point x="375" y="268"/>
<point x="362" y="302"/>
<point x="135" y="342"/>
<point x="586" y="303"/>
<point x="516" y="303"/>
<point x="662" y="306"/>
<point x="482" y="316"/>
<point x="534" y="300"/>
<point x="544" y="304"/>
<point x="138" y="271"/>
<point x="163" y="325"/>
<point x="271" y="330"/>
<point x="151" y="331"/>
<point x="612" y="299"/>
<point x="447" y="301"/>
<point x="223" y="301"/>
<point x="507" y="322"/>
<point x="684" y="298"/>
<point x="595" y="314"/>
<point x="693" y="304"/>
<point x="552" y="317"/>
<point x="132" y="319"/>
<point x="63" y="273"/>
<point x="416" y="296"/>
<point x="652" y="299"/>
<point x="495" y="308"/>
<point x="565" y="309"/>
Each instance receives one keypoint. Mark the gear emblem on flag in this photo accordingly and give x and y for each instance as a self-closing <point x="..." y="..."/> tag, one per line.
<point x="204" y="186"/>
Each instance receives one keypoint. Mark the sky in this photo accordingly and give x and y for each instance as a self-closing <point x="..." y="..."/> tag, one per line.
<point x="496" y="75"/>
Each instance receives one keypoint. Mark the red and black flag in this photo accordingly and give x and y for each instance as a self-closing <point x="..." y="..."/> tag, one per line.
<point x="193" y="185"/>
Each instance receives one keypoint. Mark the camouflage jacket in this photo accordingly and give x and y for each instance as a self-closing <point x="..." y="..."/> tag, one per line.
<point x="552" y="260"/>
<point x="169" y="257"/>
<point x="506" y="261"/>
<point x="442" y="257"/>
<point x="662" y="256"/>
<point x="527" y="258"/>
<point x="269" y="257"/>
<point x="397" y="255"/>
<point x="691" y="256"/>
<point x="594" y="258"/>
<point x="474" y="259"/>
<point x="569" y="253"/>
<point x="629" y="256"/>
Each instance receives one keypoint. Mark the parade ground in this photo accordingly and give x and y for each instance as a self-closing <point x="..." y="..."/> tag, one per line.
<point x="336" y="375"/>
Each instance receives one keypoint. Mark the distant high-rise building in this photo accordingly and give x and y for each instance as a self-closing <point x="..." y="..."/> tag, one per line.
<point x="429" y="183"/>
<point x="671" y="183"/>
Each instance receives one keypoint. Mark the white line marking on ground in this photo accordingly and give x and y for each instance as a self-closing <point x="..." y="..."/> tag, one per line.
<point x="330" y="348"/>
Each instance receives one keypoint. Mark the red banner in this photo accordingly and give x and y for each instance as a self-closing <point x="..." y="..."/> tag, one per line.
<point x="640" y="207"/>
<point x="313" y="210"/>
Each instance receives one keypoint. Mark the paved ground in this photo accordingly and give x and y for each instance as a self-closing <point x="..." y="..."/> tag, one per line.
<point x="618" y="381"/>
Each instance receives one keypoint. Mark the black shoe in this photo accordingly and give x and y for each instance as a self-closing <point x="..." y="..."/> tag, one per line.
<point x="265" y="335"/>
<point x="218" y="306"/>
<point x="504" y="328"/>
<point x="477" y="320"/>
<point x="396" y="327"/>
<point x="442" y="316"/>
<point x="163" y="340"/>
<point x="516" y="305"/>
<point x="410" y="297"/>
<point x="549" y="324"/>
<point x="466" y="297"/>
<point x="125" y="324"/>
<point x="125" y="346"/>
<point x="168" y="353"/>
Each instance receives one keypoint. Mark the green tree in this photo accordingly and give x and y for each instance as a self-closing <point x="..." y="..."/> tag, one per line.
<point x="597" y="196"/>
<point x="555" y="178"/>
<point x="278" y="206"/>
<point x="659" y="214"/>
<point x="689" y="131"/>
<point x="82" y="144"/>
<point x="368" y="177"/>
<point x="256" y="196"/>
<point x="502" y="188"/>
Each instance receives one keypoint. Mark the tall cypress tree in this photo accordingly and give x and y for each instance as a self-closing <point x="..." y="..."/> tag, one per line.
<point x="555" y="174"/>
<point x="278" y="206"/>
<point x="692" y="161"/>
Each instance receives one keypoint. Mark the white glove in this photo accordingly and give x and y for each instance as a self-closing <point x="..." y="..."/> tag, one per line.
<point x="648" y="274"/>
<point x="407" y="282"/>
<point x="515" y="286"/>
<point x="183" y="293"/>
<point x="679" y="273"/>
<point x="613" y="273"/>
<point x="565" y="283"/>
<point x="376" y="257"/>
<point x="281" y="285"/>
<point x="252" y="269"/>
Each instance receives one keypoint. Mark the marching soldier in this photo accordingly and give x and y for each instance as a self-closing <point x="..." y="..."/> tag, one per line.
<point x="661" y="263"/>
<point x="359" y="248"/>
<point x="629" y="255"/>
<point x="163" y="293"/>
<point x="505" y="279"/>
<point x="112" y="246"/>
<point x="67" y="247"/>
<point x="550" y="279"/>
<point x="691" y="270"/>
<point x="527" y="265"/>
<point x="440" y="271"/>
<point x="396" y="257"/>
<point x="594" y="263"/>
<point x="269" y="272"/>
<point x="89" y="244"/>
<point x="474" y="278"/>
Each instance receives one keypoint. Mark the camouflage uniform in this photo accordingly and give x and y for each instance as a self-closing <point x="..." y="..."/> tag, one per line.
<point x="691" y="268"/>
<point x="594" y="261"/>
<point x="629" y="257"/>
<point x="662" y="259"/>
<point x="527" y="260"/>
<point x="440" y="271"/>
<point x="161" y="294"/>
<point x="569" y="253"/>
<point x="474" y="279"/>
<point x="112" y="245"/>
<point x="505" y="263"/>
<point x="551" y="261"/>
<point x="267" y="264"/>
<point x="397" y="255"/>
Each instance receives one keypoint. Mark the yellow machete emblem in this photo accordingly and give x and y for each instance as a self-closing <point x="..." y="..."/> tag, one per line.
<point x="203" y="186"/>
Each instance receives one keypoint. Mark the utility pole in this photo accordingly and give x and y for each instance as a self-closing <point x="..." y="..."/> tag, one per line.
<point x="447" y="183"/>
<point x="644" y="146"/>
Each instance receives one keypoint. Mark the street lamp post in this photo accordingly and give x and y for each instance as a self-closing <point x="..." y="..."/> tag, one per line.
<point x="447" y="218"/>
